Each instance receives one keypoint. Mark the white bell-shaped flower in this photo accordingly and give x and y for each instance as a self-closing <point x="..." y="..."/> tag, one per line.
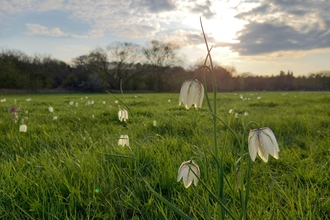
<point x="185" y="173"/>
<point x="50" y="109"/>
<point x="123" y="140"/>
<point x="23" y="128"/>
<point x="191" y="93"/>
<point x="263" y="142"/>
<point x="122" y="115"/>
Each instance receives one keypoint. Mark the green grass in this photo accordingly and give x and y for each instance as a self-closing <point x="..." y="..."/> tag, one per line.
<point x="72" y="167"/>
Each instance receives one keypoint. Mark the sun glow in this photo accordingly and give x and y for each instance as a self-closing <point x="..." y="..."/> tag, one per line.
<point x="223" y="26"/>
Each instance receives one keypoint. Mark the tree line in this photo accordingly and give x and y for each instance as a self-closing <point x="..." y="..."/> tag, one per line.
<point x="122" y="65"/>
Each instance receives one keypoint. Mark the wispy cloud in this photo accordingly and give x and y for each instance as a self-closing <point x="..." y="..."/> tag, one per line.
<point x="36" y="29"/>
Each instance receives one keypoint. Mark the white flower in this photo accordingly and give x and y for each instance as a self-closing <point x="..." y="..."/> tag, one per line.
<point x="123" y="140"/>
<point x="23" y="128"/>
<point x="71" y="102"/>
<point x="55" y="118"/>
<point x="230" y="111"/>
<point x="50" y="109"/>
<point x="191" y="93"/>
<point x="246" y="113"/>
<point x="116" y="101"/>
<point x="122" y="115"/>
<point x="103" y="102"/>
<point x="264" y="142"/>
<point x="154" y="123"/>
<point x="185" y="173"/>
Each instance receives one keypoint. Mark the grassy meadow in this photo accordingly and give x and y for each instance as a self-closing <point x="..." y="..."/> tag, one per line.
<point x="73" y="168"/>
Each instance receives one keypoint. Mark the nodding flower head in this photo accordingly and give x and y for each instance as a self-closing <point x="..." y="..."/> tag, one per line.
<point x="123" y="140"/>
<point x="122" y="115"/>
<point x="191" y="93"/>
<point x="263" y="142"/>
<point x="188" y="171"/>
<point x="23" y="128"/>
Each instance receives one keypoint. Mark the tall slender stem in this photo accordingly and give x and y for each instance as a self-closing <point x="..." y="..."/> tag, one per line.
<point x="219" y="168"/>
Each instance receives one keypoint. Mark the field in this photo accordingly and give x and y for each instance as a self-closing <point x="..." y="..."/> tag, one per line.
<point x="71" y="167"/>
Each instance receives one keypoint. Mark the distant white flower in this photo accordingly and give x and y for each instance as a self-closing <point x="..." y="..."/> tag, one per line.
<point x="185" y="173"/>
<point x="116" y="101"/>
<point x="122" y="115"/>
<point x="123" y="140"/>
<point x="23" y="128"/>
<point x="50" y="109"/>
<point x="71" y="102"/>
<point x="236" y="115"/>
<point x="258" y="97"/>
<point x="55" y="118"/>
<point x="28" y="99"/>
<point x="246" y="113"/>
<point x="263" y="142"/>
<point x="154" y="123"/>
<point x="76" y="104"/>
<point x="230" y="111"/>
<point x="191" y="93"/>
<point x="103" y="102"/>
<point x="169" y="100"/>
<point x="92" y="102"/>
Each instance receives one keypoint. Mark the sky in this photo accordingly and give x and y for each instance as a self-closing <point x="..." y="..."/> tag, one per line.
<point x="261" y="37"/>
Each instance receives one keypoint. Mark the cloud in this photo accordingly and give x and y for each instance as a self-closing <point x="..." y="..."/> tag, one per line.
<point x="277" y="25"/>
<point x="154" y="6"/>
<point x="260" y="38"/>
<point x="182" y="38"/>
<point x="204" y="9"/>
<point x="36" y="29"/>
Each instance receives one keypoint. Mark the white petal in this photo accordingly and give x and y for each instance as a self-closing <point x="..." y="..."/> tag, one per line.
<point x="262" y="148"/>
<point x="181" y="170"/>
<point x="119" y="115"/>
<point x="187" y="179"/>
<point x="196" y="170"/>
<point x="270" y="142"/>
<point x="253" y="144"/>
<point x="201" y="96"/>
<point x="184" y="92"/>
<point x="125" y="115"/>
<point x="191" y="94"/>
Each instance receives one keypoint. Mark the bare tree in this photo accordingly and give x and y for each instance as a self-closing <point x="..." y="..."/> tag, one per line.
<point x="161" y="56"/>
<point x="124" y="57"/>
